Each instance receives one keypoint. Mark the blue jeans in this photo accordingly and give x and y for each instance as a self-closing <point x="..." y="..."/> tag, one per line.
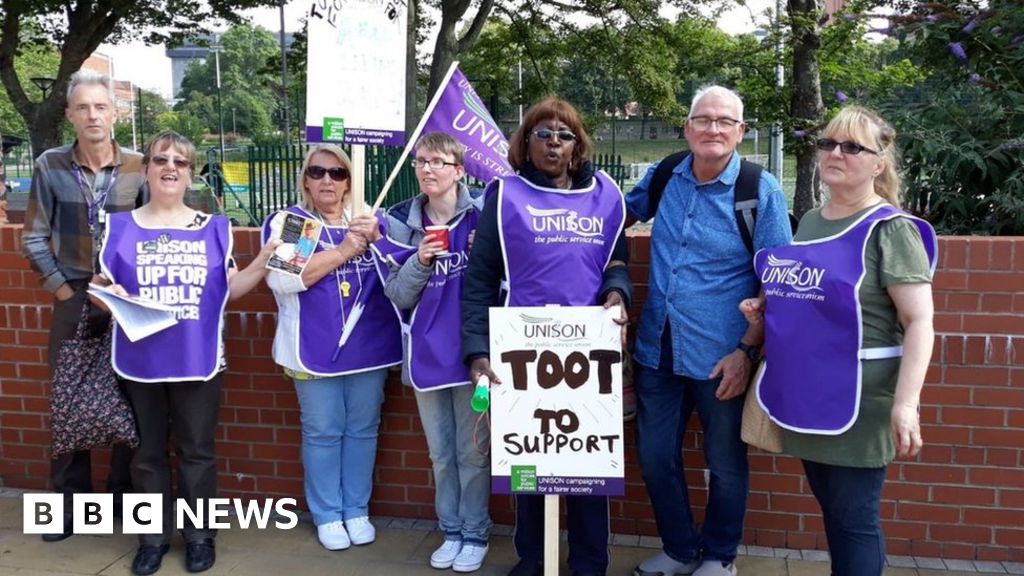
<point x="664" y="404"/>
<point x="459" y="452"/>
<point x="851" y="500"/>
<point x="340" y="418"/>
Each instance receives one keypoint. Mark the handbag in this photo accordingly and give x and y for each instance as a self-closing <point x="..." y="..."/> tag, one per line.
<point x="756" y="427"/>
<point x="87" y="407"/>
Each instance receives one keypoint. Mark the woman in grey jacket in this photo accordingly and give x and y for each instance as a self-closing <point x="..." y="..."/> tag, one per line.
<point x="427" y="286"/>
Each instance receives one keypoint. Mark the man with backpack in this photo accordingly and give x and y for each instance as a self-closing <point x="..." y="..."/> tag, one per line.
<point x="693" y="348"/>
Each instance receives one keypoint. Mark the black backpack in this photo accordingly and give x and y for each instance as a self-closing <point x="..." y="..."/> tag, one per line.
<point x="744" y="202"/>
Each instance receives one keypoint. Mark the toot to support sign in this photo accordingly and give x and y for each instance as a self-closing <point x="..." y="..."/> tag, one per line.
<point x="557" y="416"/>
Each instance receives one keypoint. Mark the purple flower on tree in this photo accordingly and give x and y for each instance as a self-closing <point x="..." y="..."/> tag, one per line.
<point x="970" y="26"/>
<point x="798" y="134"/>
<point x="1016" y="42"/>
<point x="931" y="18"/>
<point x="957" y="50"/>
<point x="975" y="78"/>
<point x="841" y="98"/>
<point x="996" y="31"/>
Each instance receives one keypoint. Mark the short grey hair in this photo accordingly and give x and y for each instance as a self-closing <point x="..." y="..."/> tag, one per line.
<point x="715" y="90"/>
<point x="87" y="77"/>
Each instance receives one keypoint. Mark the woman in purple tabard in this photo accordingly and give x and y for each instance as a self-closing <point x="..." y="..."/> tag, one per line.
<point x="429" y="285"/>
<point x="167" y="252"/>
<point x="550" y="152"/>
<point x="847" y="312"/>
<point x="337" y="334"/>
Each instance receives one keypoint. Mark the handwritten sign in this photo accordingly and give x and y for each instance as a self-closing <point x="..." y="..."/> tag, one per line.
<point x="355" y="90"/>
<point x="556" y="419"/>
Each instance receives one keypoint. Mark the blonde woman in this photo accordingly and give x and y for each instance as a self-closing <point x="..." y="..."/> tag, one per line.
<point x="339" y="382"/>
<point x="847" y="312"/>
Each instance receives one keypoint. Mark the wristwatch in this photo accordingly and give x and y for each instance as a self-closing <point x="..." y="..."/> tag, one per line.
<point x="752" y="352"/>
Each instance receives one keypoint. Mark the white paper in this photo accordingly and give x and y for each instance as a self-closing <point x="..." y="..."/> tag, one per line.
<point x="137" y="317"/>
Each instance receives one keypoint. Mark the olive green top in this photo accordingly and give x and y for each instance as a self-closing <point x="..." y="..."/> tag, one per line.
<point x="894" y="255"/>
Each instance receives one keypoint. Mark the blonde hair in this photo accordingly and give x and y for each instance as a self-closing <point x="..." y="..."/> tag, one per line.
<point x="305" y="198"/>
<point x="869" y="129"/>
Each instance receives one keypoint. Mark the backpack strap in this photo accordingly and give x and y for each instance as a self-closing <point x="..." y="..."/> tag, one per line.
<point x="745" y="201"/>
<point x="660" y="179"/>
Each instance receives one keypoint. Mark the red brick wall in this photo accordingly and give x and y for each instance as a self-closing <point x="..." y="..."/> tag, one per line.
<point x="962" y="498"/>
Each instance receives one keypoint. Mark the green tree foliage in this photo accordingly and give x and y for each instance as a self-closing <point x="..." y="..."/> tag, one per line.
<point x="76" y="28"/>
<point x="249" y="88"/>
<point x="960" y="130"/>
<point x="38" y="60"/>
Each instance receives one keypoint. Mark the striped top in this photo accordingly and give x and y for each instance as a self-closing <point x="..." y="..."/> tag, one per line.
<point x="57" y="239"/>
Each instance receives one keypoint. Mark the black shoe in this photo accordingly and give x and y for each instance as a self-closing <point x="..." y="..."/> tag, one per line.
<point x="67" y="533"/>
<point x="527" y="568"/>
<point x="578" y="573"/>
<point x="200" y="555"/>
<point x="148" y="558"/>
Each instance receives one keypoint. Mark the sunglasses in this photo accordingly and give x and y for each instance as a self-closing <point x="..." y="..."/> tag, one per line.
<point x="828" y="145"/>
<point x="179" y="162"/>
<point x="563" y="135"/>
<point x="318" y="172"/>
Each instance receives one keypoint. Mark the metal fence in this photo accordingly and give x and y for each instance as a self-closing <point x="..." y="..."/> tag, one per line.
<point x="269" y="181"/>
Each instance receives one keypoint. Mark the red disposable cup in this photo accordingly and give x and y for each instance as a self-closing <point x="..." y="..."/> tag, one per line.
<point x="438" y="234"/>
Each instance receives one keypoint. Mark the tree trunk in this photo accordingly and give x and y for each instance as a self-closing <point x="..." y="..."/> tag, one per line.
<point x="47" y="125"/>
<point x="449" y="45"/>
<point x="806" y="107"/>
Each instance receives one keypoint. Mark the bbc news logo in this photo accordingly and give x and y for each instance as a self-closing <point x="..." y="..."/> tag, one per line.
<point x="144" y="513"/>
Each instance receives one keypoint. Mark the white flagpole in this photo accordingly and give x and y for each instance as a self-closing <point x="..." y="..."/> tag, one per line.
<point x="411" y="142"/>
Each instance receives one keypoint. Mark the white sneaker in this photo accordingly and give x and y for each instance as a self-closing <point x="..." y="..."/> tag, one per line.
<point x="444" y="557"/>
<point x="470" y="558"/>
<point x="333" y="535"/>
<point x="360" y="530"/>
<point x="716" y="568"/>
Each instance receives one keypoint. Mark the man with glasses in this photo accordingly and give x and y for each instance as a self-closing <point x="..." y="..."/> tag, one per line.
<point x="693" y="348"/>
<point x="74" y="188"/>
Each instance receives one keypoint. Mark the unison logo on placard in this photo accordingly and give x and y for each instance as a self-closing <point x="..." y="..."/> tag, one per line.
<point x="144" y="513"/>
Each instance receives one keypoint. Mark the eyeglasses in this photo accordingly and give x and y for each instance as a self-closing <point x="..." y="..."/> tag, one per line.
<point x="703" y="123"/>
<point x="317" y="172"/>
<point x="179" y="162"/>
<point x="546" y="134"/>
<point x="435" y="163"/>
<point x="828" y="145"/>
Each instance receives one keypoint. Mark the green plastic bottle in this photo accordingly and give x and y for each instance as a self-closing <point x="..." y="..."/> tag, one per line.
<point x="481" y="399"/>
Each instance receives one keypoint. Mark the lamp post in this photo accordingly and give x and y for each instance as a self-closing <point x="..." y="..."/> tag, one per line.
<point x="220" y="96"/>
<point x="284" y="79"/>
<point x="43" y="84"/>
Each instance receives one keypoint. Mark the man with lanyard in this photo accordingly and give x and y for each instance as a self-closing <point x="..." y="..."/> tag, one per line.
<point x="693" y="350"/>
<point x="74" y="187"/>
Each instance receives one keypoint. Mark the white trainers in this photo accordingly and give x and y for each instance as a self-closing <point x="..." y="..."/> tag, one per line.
<point x="444" y="557"/>
<point x="360" y="530"/>
<point x="716" y="568"/>
<point x="470" y="558"/>
<point x="333" y="535"/>
<point x="662" y="565"/>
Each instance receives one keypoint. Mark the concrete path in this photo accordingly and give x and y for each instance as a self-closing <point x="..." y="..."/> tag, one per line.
<point x="402" y="548"/>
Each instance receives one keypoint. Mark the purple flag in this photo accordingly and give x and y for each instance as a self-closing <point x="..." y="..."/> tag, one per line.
<point x="459" y="112"/>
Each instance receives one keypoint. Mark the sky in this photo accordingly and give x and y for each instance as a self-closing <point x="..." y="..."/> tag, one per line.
<point x="149" y="67"/>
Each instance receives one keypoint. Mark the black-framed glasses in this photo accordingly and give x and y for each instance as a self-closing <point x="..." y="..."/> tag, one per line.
<point x="338" y="174"/>
<point x="179" y="162"/>
<point x="828" y="145"/>
<point x="546" y="134"/>
<point x="433" y="163"/>
<point x="703" y="123"/>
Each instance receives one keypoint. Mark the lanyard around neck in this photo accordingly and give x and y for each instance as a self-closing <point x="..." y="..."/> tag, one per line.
<point x="94" y="202"/>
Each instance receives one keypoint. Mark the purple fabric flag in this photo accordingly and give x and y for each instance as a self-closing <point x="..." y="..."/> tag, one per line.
<point x="460" y="113"/>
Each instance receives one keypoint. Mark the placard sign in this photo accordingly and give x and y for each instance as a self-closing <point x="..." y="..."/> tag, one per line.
<point x="355" y="92"/>
<point x="556" y="419"/>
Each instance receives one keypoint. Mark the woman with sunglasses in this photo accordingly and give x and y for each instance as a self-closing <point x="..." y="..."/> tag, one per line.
<point x="847" y="312"/>
<point x="337" y="334"/>
<point x="550" y="152"/>
<point x="167" y="252"/>
<point x="429" y="286"/>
